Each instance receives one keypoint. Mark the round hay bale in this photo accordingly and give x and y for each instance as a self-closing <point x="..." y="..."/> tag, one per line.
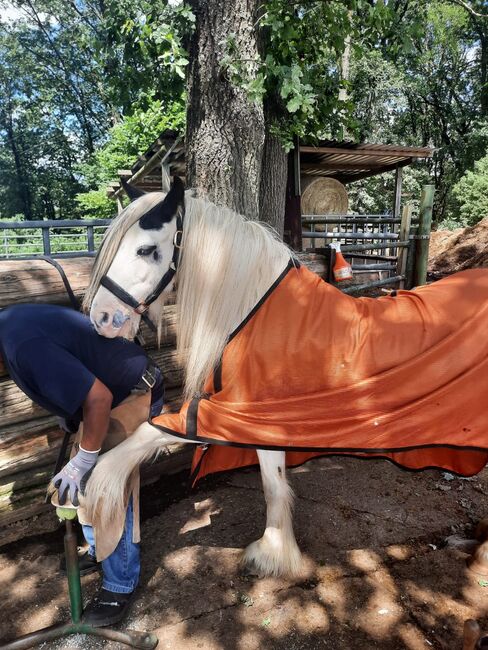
<point x="323" y="196"/>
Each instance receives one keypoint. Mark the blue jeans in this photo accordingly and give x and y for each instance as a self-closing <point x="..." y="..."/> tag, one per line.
<point x="121" y="569"/>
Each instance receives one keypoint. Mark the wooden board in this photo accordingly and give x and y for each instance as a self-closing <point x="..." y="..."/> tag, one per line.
<point x="23" y="281"/>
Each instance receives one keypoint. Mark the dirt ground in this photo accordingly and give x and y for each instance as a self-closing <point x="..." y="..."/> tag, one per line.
<point x="378" y="572"/>
<point x="456" y="250"/>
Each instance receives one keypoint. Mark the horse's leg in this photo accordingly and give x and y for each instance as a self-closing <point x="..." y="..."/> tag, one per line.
<point x="106" y="489"/>
<point x="277" y="552"/>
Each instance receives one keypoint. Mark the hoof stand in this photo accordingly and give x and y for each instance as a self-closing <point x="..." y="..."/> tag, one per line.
<point x="473" y="639"/>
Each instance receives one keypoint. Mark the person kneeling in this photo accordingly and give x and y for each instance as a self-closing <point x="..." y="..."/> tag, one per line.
<point x="104" y="388"/>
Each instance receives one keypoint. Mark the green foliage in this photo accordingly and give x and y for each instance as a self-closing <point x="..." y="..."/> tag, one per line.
<point x="428" y="95"/>
<point x="69" y="72"/>
<point x="375" y="195"/>
<point x="95" y="204"/>
<point x="471" y="193"/>
<point x="143" y="41"/>
<point x="85" y="87"/>
<point x="298" y="76"/>
<point x="126" y="140"/>
<point x="131" y="137"/>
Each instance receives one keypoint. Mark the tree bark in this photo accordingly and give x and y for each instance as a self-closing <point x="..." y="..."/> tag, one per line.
<point x="272" y="190"/>
<point x="22" y="183"/>
<point x="225" y="131"/>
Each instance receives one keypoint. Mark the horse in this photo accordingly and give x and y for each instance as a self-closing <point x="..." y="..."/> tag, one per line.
<point x="375" y="378"/>
<point x="230" y="249"/>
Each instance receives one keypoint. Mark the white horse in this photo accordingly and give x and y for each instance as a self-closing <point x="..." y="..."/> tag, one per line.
<point x="380" y="377"/>
<point x="226" y="266"/>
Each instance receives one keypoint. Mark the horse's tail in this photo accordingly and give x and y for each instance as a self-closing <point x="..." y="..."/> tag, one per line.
<point x="106" y="493"/>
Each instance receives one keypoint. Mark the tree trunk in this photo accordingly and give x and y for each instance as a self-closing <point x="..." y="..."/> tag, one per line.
<point x="484" y="71"/>
<point x="22" y="181"/>
<point x="272" y="190"/>
<point x="225" y="131"/>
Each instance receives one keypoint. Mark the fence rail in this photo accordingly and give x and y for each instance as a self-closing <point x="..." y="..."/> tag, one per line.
<point x="64" y="238"/>
<point x="381" y="247"/>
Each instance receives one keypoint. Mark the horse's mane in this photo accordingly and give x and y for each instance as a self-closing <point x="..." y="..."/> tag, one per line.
<point x="227" y="264"/>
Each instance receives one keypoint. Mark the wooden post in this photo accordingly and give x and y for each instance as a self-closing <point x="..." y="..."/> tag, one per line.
<point x="423" y="236"/>
<point x="293" y="214"/>
<point x="398" y="191"/>
<point x="410" y="266"/>
<point x="120" y="205"/>
<point x="46" y="242"/>
<point x="404" y="233"/>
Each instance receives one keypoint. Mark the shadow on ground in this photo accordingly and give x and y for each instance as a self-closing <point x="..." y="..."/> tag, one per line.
<point x="377" y="574"/>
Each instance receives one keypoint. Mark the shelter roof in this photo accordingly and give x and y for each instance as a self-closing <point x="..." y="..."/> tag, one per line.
<point x="345" y="161"/>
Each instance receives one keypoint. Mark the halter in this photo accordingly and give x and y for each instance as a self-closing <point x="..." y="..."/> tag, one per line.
<point x="142" y="307"/>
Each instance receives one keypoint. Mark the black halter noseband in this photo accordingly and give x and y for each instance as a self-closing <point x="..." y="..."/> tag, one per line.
<point x="142" y="307"/>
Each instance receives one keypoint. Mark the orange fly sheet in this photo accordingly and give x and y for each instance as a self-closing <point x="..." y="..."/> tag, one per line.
<point x="314" y="371"/>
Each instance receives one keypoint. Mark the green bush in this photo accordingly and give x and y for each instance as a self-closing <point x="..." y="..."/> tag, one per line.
<point x="96" y="204"/>
<point x="471" y="193"/>
<point x="127" y="140"/>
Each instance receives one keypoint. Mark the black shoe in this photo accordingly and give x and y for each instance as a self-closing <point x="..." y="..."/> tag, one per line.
<point x="87" y="563"/>
<point x="107" y="608"/>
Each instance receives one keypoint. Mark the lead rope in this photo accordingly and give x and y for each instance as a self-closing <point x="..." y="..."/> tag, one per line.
<point x="74" y="301"/>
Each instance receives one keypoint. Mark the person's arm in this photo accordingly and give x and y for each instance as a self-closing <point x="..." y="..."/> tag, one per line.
<point x="96" y="415"/>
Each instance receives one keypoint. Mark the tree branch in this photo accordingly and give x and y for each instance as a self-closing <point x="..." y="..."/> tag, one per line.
<point x="469" y="9"/>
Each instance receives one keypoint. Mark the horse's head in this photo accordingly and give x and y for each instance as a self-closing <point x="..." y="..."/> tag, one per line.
<point x="136" y="261"/>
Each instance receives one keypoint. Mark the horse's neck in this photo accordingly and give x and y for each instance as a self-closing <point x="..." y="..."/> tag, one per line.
<point x="265" y="282"/>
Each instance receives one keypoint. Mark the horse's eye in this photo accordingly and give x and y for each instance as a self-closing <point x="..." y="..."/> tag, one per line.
<point x="146" y="250"/>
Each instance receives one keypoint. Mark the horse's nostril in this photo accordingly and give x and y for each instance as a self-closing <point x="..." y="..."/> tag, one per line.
<point x="119" y="319"/>
<point x="103" y="320"/>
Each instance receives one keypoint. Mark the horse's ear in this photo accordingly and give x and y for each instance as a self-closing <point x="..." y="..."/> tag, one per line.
<point x="132" y="192"/>
<point x="176" y="195"/>
<point x="165" y="211"/>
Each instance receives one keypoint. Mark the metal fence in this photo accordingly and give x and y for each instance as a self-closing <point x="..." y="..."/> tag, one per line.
<point x="371" y="242"/>
<point x="63" y="238"/>
<point x="353" y="231"/>
<point x="383" y="245"/>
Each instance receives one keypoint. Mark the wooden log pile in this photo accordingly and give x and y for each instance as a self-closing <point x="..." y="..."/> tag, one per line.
<point x="30" y="438"/>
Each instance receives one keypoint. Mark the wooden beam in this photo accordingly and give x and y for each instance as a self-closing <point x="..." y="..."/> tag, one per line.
<point x="358" y="177"/>
<point x="158" y="158"/>
<point x="339" y="166"/>
<point x="421" y="152"/>
<point x="423" y="235"/>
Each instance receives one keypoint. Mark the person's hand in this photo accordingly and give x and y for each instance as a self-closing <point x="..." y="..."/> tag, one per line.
<point x="74" y="476"/>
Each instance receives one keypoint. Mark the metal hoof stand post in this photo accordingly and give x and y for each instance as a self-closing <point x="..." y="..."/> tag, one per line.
<point x="144" y="640"/>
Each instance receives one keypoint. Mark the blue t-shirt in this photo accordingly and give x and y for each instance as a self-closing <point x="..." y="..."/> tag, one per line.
<point x="54" y="355"/>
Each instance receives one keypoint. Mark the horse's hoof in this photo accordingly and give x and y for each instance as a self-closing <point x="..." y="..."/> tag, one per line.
<point x="481" y="531"/>
<point x="478" y="563"/>
<point x="273" y="556"/>
<point x="248" y="571"/>
<point x="462" y="544"/>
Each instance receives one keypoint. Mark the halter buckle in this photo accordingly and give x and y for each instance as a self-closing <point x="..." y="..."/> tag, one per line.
<point x="177" y="238"/>
<point x="141" y="308"/>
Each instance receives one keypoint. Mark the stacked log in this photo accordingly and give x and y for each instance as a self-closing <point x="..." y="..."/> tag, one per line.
<point x="30" y="438"/>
